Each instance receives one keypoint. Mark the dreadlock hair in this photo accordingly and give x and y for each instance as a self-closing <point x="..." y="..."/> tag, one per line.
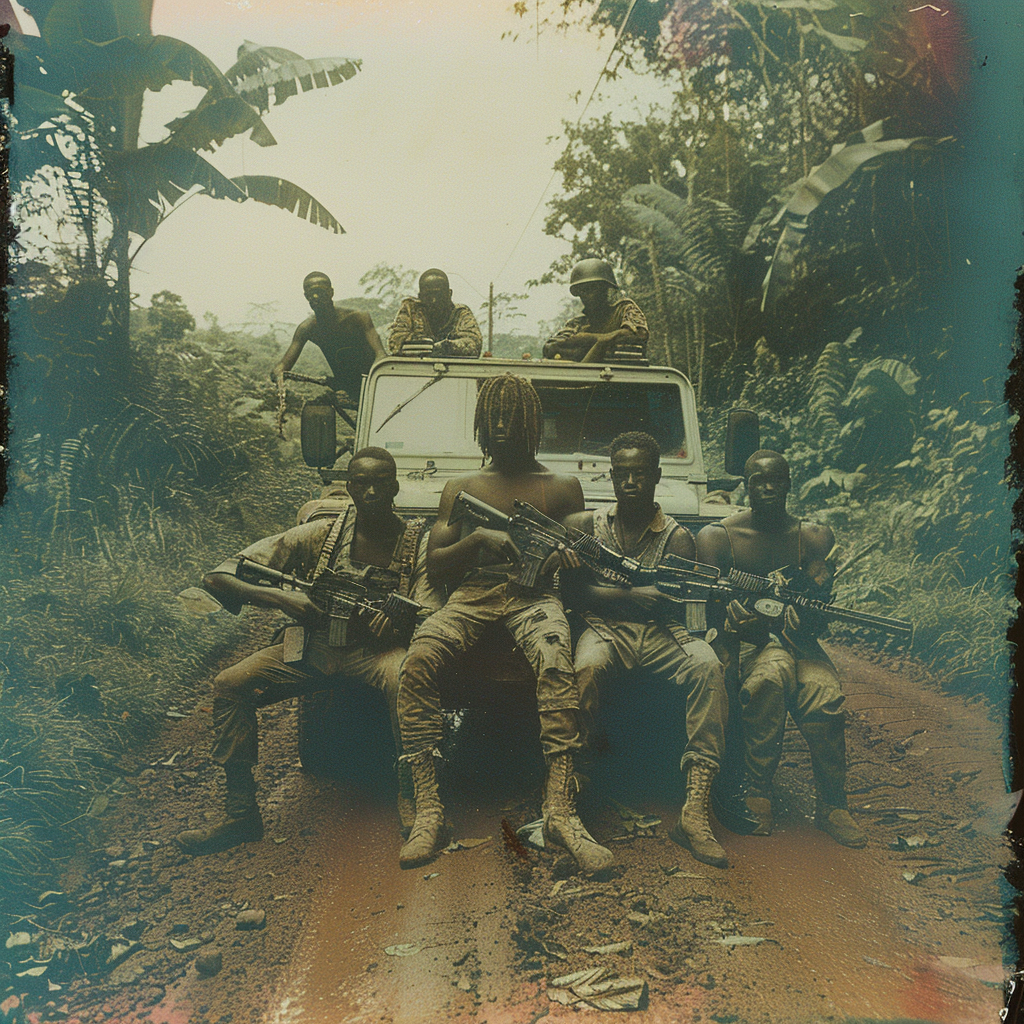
<point x="379" y="454"/>
<point x="519" y="404"/>
<point x="641" y="441"/>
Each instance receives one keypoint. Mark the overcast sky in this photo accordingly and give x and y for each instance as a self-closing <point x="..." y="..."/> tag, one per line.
<point x="435" y="154"/>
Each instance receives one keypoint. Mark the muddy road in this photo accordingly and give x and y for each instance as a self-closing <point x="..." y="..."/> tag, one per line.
<point x="797" y="930"/>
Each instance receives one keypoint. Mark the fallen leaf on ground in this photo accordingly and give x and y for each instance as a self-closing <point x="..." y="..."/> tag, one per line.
<point x="403" y="949"/>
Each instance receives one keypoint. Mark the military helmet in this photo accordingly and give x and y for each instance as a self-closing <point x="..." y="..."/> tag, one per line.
<point x="591" y="270"/>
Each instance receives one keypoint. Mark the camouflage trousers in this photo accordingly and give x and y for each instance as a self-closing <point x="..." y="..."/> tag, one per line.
<point x="264" y="678"/>
<point x="667" y="652"/>
<point x="773" y="682"/>
<point x="537" y="624"/>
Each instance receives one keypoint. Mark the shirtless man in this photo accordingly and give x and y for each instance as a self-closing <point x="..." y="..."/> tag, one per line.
<point x="449" y="328"/>
<point x="784" y="672"/>
<point x="367" y="542"/>
<point x="593" y="336"/>
<point x="347" y="338"/>
<point x="477" y="567"/>
<point x="633" y="628"/>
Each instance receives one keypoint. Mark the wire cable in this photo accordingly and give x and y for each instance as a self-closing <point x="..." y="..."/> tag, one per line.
<point x="593" y="92"/>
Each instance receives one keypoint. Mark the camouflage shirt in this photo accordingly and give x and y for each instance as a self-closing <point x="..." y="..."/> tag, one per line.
<point x="460" y="336"/>
<point x="624" y="313"/>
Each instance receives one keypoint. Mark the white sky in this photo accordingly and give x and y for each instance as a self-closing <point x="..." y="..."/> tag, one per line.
<point x="435" y="154"/>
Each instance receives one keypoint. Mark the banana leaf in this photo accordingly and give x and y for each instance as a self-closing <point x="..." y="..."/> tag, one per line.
<point x="146" y="178"/>
<point x="216" y="118"/>
<point x="848" y="44"/>
<point x="846" y="160"/>
<point x="262" y="68"/>
<point x="252" y="58"/>
<point x="286" y="196"/>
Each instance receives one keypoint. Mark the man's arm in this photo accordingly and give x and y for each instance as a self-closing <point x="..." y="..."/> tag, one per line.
<point x="712" y="548"/>
<point x="233" y="592"/>
<point x="565" y="343"/>
<point x="294" y="350"/>
<point x="401" y="329"/>
<point x="450" y="555"/>
<point x="365" y="321"/>
<point x="632" y="330"/>
<point x="465" y="338"/>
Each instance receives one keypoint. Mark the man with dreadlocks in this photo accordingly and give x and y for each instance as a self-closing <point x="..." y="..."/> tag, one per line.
<point x="631" y="628"/>
<point x="477" y="566"/>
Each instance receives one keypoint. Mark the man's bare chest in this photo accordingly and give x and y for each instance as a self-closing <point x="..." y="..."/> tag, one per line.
<point x="761" y="553"/>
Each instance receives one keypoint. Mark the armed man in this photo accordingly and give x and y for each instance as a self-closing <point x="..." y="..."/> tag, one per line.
<point x="372" y="549"/>
<point x="434" y="325"/>
<point x="779" y="668"/>
<point x="633" y="628"/>
<point x="604" y="326"/>
<point x="347" y="338"/>
<point x="477" y="567"/>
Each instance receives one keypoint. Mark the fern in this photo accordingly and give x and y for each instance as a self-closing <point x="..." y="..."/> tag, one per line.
<point x="828" y="384"/>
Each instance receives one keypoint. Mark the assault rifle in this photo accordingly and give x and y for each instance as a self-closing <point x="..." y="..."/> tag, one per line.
<point x="340" y="597"/>
<point x="680" y="578"/>
<point x="535" y="535"/>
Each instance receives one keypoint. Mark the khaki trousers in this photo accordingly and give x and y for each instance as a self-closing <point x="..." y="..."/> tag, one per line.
<point x="264" y="678"/>
<point x="669" y="653"/>
<point x="536" y="622"/>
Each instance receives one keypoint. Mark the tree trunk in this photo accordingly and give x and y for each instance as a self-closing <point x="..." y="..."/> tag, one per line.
<point x="659" y="299"/>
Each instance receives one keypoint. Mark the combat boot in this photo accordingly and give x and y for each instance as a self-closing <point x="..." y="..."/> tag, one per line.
<point x="241" y="823"/>
<point x="561" y="822"/>
<point x="730" y="802"/>
<point x="693" y="830"/>
<point x="839" y="824"/>
<point x="429" y="834"/>
<point x="406" y="798"/>
<point x="827" y="743"/>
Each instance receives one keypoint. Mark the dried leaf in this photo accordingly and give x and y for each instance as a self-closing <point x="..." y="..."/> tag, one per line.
<point x="403" y="949"/>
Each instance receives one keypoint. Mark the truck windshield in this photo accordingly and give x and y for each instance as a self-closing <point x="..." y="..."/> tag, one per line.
<point x="580" y="417"/>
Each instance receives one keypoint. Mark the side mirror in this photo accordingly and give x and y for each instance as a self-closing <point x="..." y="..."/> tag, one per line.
<point x="742" y="439"/>
<point x="319" y="434"/>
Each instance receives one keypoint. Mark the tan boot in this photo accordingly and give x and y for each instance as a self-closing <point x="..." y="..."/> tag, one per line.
<point x="429" y="833"/>
<point x="406" y="798"/>
<point x="561" y="822"/>
<point x="241" y="822"/>
<point x="693" y="830"/>
<point x="838" y="823"/>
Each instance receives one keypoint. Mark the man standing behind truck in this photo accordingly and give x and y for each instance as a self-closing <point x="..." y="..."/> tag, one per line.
<point x="478" y="567"/>
<point x="346" y="337"/>
<point x="433" y="320"/>
<point x="604" y="326"/>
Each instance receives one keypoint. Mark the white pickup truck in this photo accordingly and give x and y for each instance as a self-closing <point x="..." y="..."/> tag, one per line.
<point x="422" y="411"/>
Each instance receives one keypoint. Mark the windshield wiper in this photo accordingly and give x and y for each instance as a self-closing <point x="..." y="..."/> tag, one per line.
<point x="401" y="405"/>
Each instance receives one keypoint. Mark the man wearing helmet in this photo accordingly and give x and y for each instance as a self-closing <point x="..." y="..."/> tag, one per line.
<point x="603" y="326"/>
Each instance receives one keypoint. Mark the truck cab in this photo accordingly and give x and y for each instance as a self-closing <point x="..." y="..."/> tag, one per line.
<point x="421" y="411"/>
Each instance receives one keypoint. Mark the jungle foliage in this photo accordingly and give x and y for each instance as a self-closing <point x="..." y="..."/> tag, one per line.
<point x="81" y="88"/>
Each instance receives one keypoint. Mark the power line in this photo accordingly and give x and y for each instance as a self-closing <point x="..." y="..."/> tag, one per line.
<point x="593" y="92"/>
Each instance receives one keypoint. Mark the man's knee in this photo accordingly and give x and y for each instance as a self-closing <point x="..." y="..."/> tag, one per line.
<point x="819" y="696"/>
<point x="700" y="666"/>
<point x="233" y="684"/>
<point x="425" y="659"/>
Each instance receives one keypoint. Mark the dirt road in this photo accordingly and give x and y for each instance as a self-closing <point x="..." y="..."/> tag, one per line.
<point x="797" y="930"/>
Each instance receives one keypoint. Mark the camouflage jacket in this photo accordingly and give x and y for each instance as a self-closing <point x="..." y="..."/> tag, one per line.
<point x="460" y="335"/>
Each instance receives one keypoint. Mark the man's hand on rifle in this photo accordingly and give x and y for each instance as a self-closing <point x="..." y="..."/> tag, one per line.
<point x="739" y="618"/>
<point x="790" y="624"/>
<point x="380" y="626"/>
<point x="298" y="606"/>
<point x="496" y="541"/>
